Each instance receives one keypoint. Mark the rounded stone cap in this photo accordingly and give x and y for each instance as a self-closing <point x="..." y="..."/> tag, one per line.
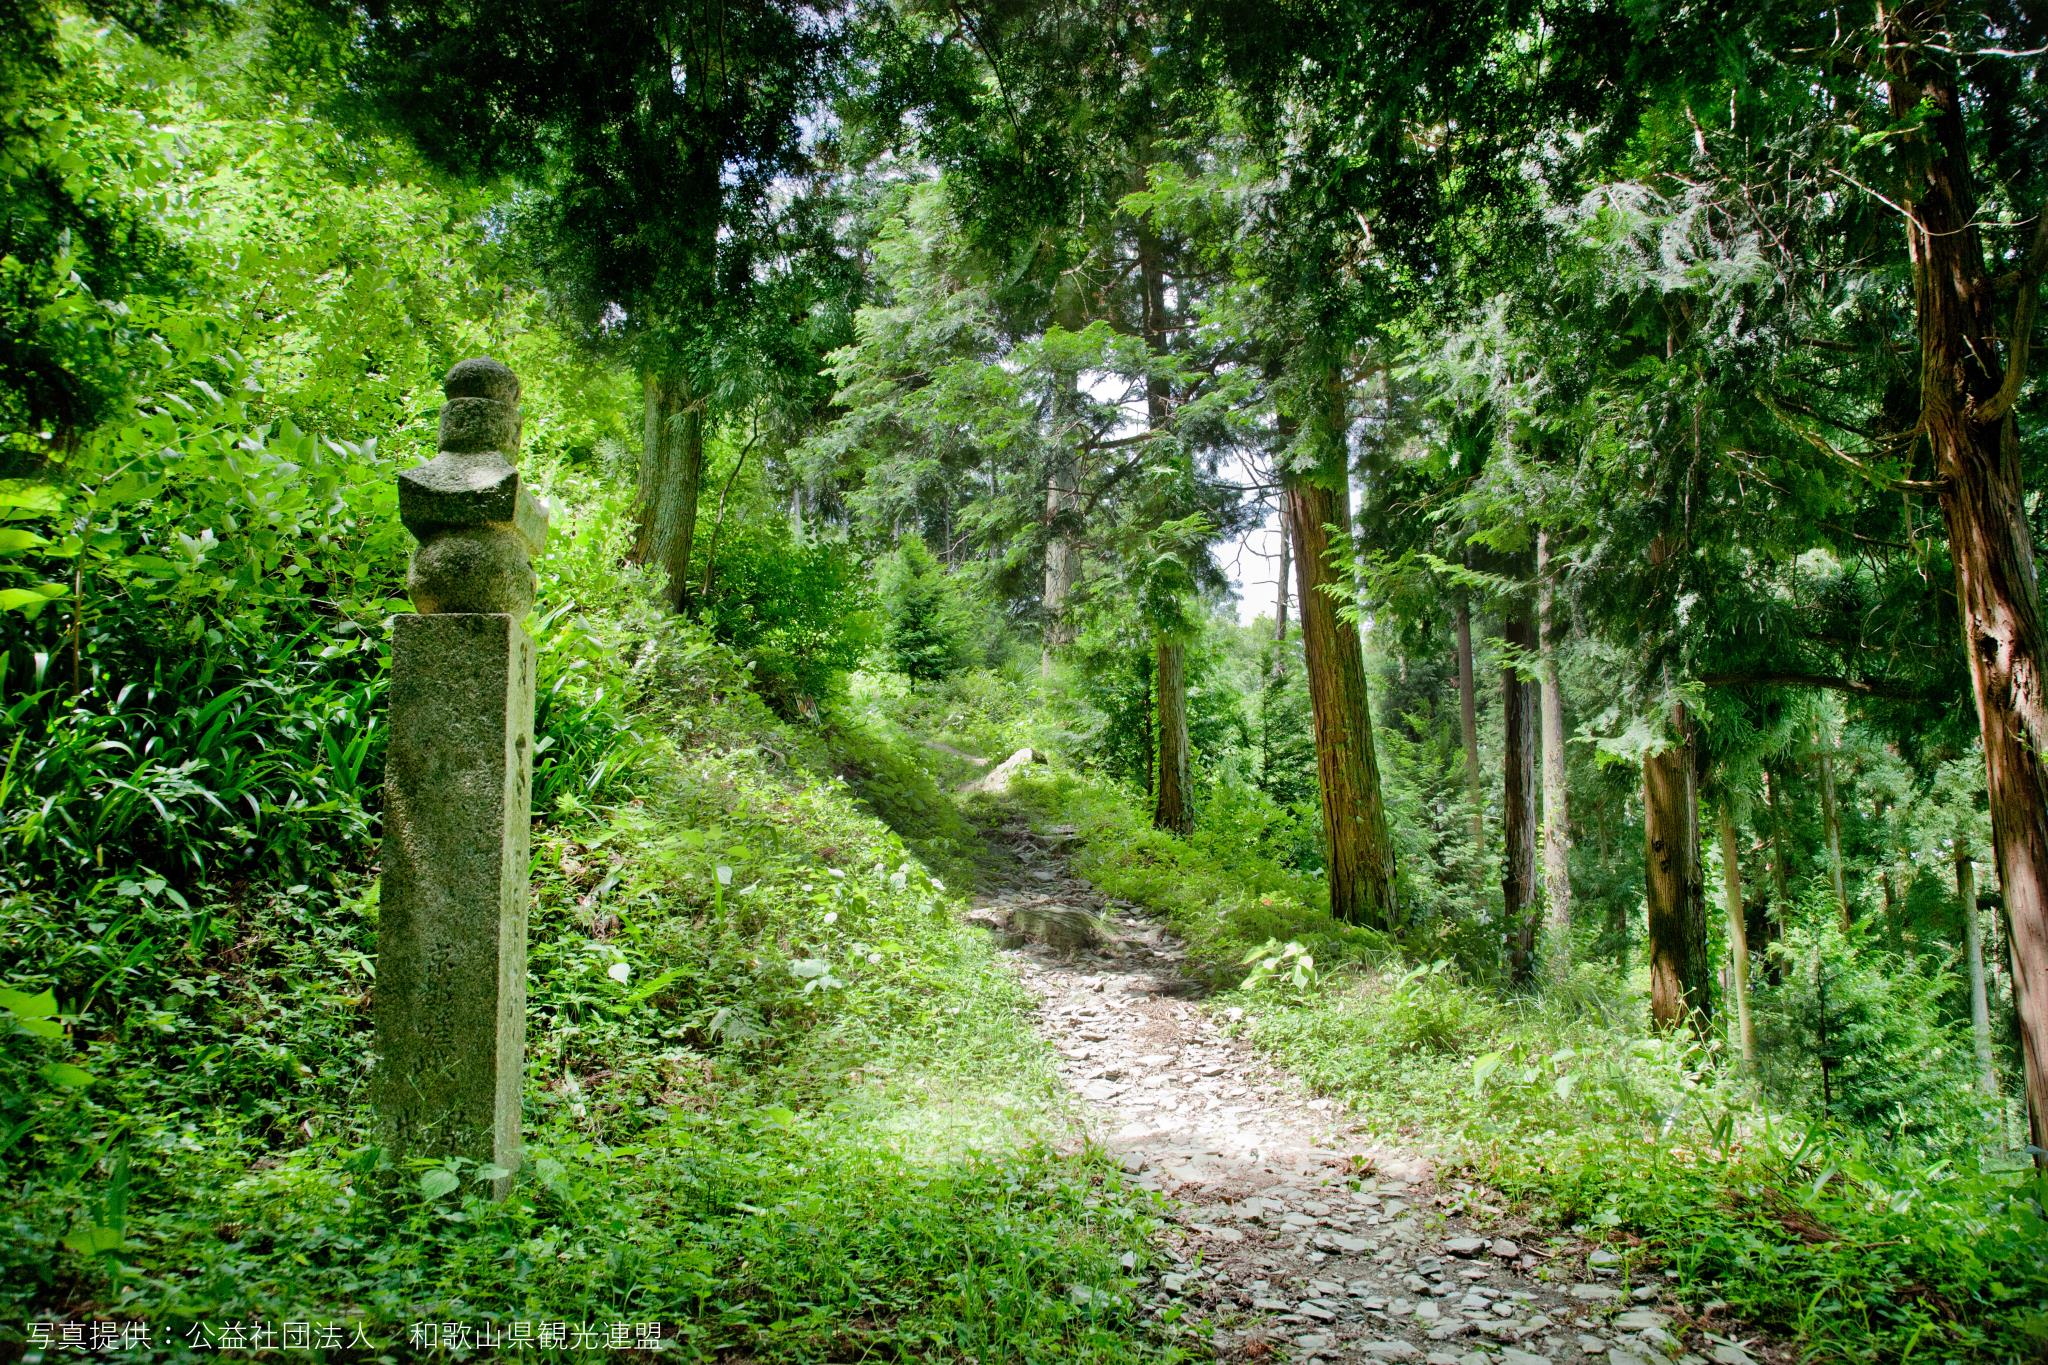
<point x="481" y="377"/>
<point x="472" y="568"/>
<point x="471" y="426"/>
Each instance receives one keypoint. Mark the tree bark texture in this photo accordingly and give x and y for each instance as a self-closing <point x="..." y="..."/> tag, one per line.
<point x="1969" y="383"/>
<point x="1173" y="808"/>
<point x="1557" y="827"/>
<point x="1679" y="980"/>
<point x="1359" y="850"/>
<point x="1518" y="798"/>
<point x="1468" y="721"/>
<point x="671" y="468"/>
<point x="1738" y="934"/>
<point x="1173" y="811"/>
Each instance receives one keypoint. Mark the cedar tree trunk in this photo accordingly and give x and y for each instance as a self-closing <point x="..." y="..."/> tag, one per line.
<point x="1973" y="362"/>
<point x="1679" y="988"/>
<point x="1359" y="851"/>
<point x="671" y="468"/>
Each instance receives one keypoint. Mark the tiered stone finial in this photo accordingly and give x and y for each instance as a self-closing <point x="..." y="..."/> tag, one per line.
<point x="476" y="523"/>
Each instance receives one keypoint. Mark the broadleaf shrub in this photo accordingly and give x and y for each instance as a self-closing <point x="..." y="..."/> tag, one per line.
<point x="798" y="610"/>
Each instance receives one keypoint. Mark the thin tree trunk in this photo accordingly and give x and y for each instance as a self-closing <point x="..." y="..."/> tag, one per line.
<point x="1173" y="812"/>
<point x="1358" y="848"/>
<point x="1468" y="721"/>
<point x="1173" y="809"/>
<point x="1062" y="558"/>
<point x="1679" y="985"/>
<point x="1827" y="1058"/>
<point x="1831" y="819"/>
<point x="1738" y="933"/>
<point x="1780" y="897"/>
<point x="1781" y="872"/>
<point x="1062" y="503"/>
<point x="1355" y="482"/>
<point x="1967" y="398"/>
<point x="1518" y="798"/>
<point x="1557" y="874"/>
<point x="1973" y="941"/>
<point x="671" y="468"/>
<point x="718" y="522"/>
<point x="1147" y="734"/>
<point x="1286" y="567"/>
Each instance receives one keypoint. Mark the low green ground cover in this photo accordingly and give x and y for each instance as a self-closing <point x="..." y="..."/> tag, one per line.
<point x="779" y="1102"/>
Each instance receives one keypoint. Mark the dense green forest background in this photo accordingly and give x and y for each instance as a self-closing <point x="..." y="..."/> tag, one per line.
<point x="1600" y="799"/>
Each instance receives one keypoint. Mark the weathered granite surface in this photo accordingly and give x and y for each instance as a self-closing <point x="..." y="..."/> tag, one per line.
<point x="451" y="935"/>
<point x="451" y="931"/>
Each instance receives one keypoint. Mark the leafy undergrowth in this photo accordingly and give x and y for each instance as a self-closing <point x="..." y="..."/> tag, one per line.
<point x="1220" y="898"/>
<point x="1566" y="1104"/>
<point x="956" y="729"/>
<point x="778" y="1101"/>
<point x="901" y="790"/>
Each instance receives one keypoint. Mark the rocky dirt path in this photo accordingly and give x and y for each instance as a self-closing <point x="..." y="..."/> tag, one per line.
<point x="1294" y="1236"/>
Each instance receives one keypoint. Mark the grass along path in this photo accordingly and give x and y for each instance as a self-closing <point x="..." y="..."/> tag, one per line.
<point x="1292" y="1233"/>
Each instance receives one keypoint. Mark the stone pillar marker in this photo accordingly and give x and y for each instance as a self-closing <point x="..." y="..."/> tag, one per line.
<point x="458" y="792"/>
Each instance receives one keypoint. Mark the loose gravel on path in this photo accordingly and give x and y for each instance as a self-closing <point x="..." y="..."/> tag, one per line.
<point x="1290" y="1232"/>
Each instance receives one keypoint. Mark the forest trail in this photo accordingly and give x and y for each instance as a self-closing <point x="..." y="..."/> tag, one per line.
<point x="1295" y="1234"/>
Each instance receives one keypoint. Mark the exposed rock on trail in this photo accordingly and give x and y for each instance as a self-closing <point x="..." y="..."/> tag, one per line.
<point x="997" y="780"/>
<point x="1292" y="1233"/>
